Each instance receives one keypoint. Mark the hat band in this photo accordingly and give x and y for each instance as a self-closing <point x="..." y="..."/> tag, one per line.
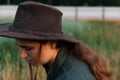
<point x="35" y="33"/>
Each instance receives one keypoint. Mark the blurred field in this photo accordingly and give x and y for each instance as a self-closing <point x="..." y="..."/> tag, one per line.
<point x="103" y="37"/>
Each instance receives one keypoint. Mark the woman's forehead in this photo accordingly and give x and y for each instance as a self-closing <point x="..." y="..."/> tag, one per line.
<point x="21" y="41"/>
<point x="24" y="41"/>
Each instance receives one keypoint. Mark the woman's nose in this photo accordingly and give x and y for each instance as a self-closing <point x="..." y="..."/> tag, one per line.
<point x="23" y="53"/>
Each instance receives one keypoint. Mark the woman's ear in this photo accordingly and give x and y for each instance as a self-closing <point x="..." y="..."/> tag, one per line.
<point x="53" y="45"/>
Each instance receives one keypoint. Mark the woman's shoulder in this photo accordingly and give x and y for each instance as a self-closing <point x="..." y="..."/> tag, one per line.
<point x="75" y="69"/>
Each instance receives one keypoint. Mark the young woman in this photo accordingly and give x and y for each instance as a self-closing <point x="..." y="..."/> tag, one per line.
<point x="37" y="31"/>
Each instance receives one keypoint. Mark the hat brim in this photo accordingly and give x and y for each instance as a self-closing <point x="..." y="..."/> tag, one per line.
<point x="6" y="32"/>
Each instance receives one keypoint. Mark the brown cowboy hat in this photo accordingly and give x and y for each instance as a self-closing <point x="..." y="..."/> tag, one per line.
<point x="36" y="21"/>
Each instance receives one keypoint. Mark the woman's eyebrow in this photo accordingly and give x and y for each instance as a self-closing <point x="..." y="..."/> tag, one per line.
<point x="23" y="46"/>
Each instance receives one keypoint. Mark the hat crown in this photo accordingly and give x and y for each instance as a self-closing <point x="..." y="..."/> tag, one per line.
<point x="36" y="21"/>
<point x="37" y="17"/>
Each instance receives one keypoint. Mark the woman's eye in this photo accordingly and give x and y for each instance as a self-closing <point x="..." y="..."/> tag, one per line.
<point x="28" y="48"/>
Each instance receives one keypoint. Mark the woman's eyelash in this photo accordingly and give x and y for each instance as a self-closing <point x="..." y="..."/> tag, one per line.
<point x="28" y="48"/>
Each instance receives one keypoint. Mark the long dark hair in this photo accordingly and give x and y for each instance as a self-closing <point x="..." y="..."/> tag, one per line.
<point x="97" y="64"/>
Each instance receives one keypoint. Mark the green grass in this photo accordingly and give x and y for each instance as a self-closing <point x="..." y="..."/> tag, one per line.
<point x="6" y="21"/>
<point x="103" y="37"/>
<point x="99" y="35"/>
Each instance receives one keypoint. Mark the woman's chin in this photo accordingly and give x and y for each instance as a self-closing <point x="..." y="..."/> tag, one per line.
<point x="36" y="65"/>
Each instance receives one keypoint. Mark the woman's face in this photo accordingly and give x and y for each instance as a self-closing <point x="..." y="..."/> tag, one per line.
<point x="36" y="53"/>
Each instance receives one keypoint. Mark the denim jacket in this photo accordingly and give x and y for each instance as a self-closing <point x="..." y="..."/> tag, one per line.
<point x="67" y="67"/>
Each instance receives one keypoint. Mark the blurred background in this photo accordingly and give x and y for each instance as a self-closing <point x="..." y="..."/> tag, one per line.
<point x="94" y="22"/>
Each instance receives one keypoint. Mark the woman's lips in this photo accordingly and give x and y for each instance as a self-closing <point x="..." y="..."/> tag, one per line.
<point x="31" y="62"/>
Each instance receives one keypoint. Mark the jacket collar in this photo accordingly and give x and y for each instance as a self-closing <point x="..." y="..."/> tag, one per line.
<point x="56" y="67"/>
